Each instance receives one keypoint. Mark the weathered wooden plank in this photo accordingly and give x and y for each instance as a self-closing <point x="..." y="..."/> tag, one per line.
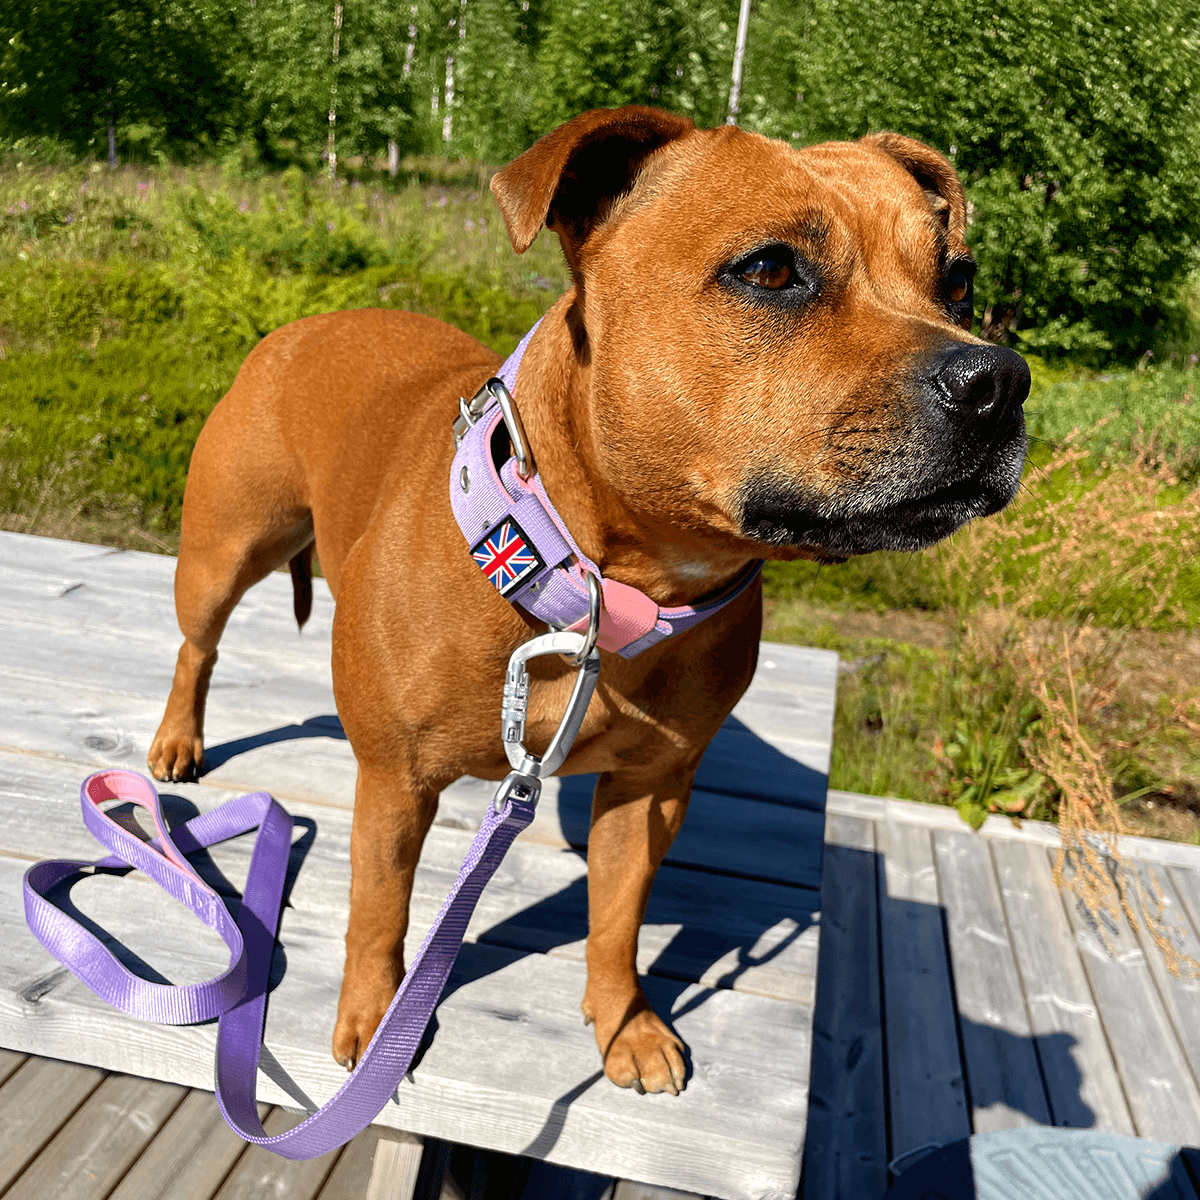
<point x="1081" y="1079"/>
<point x="297" y="752"/>
<point x="35" y="1102"/>
<point x="287" y="738"/>
<point x="752" y="838"/>
<point x="261" y="1175"/>
<point x="785" y="667"/>
<point x="350" y="1176"/>
<point x="275" y="743"/>
<point x="43" y="567"/>
<point x="845" y="1155"/>
<point x="190" y="1156"/>
<point x="926" y="1089"/>
<point x="10" y="1060"/>
<point x="1004" y="1080"/>
<point x="1162" y="1095"/>
<point x="140" y="664"/>
<point x="262" y="640"/>
<point x="294" y="747"/>
<point x="98" y="1144"/>
<point x="998" y="828"/>
<point x="783" y="770"/>
<point x="735" y="1132"/>
<point x="63" y="580"/>
<point x="396" y="1166"/>
<point x="1180" y="891"/>
<point x="729" y="932"/>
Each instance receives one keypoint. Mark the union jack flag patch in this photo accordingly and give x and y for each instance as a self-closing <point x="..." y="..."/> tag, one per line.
<point x="506" y="556"/>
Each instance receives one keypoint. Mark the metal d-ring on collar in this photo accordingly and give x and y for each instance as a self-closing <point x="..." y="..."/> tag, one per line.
<point x="470" y="412"/>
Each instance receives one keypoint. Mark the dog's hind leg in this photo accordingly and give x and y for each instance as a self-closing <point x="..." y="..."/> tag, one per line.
<point x="243" y="517"/>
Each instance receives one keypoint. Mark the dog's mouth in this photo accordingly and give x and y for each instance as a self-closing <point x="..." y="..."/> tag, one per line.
<point x="787" y="513"/>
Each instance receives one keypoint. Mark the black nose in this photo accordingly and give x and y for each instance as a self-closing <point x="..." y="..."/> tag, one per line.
<point x="984" y="380"/>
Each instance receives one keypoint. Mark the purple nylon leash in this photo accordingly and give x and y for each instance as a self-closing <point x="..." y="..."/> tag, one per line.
<point x="238" y="996"/>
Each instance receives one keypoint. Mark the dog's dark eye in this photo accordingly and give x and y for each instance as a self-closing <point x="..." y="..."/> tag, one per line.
<point x="767" y="272"/>
<point x="956" y="290"/>
<point x="774" y="275"/>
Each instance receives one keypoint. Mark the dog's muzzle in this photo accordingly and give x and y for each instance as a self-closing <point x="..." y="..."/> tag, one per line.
<point x="958" y="455"/>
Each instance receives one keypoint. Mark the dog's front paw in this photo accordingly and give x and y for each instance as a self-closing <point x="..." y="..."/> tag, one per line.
<point x="360" y="1009"/>
<point x="174" y="759"/>
<point x="641" y="1052"/>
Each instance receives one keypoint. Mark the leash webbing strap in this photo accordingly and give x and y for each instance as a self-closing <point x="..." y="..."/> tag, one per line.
<point x="238" y="995"/>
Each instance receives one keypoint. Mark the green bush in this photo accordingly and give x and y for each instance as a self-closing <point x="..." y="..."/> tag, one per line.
<point x="114" y="428"/>
<point x="120" y="328"/>
<point x="283" y="234"/>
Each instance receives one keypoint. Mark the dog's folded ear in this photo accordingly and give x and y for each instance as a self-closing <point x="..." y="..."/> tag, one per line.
<point x="936" y="175"/>
<point x="569" y="178"/>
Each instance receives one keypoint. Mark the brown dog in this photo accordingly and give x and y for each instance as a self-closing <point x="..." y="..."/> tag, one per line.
<point x="765" y="352"/>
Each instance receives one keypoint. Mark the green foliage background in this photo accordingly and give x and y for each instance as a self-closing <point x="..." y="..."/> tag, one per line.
<point x="1075" y="128"/>
<point x="128" y="302"/>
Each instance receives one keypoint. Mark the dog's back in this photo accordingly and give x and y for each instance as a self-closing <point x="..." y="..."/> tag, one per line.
<point x="321" y="412"/>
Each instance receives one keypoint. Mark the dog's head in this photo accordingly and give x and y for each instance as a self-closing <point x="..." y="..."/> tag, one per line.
<point x="776" y="341"/>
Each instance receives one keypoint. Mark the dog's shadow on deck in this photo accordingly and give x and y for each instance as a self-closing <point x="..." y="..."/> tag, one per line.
<point x="325" y="725"/>
<point x="740" y="764"/>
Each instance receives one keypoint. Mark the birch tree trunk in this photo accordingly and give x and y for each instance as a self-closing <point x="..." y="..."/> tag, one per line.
<point x="411" y="48"/>
<point x="448" y="119"/>
<point x="739" y="53"/>
<point x="337" y="38"/>
<point x="112" y="135"/>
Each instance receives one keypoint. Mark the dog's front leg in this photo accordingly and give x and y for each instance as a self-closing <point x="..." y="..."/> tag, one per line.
<point x="634" y="821"/>
<point x="391" y="818"/>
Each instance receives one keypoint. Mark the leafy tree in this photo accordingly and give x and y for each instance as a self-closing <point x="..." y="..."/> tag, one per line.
<point x="492" y="68"/>
<point x="603" y="53"/>
<point x="374" y="94"/>
<point x="1075" y="128"/>
<point x="288" y="75"/>
<point x="73" y="70"/>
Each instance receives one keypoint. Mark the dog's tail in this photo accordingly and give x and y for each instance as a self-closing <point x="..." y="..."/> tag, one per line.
<point x="301" y="569"/>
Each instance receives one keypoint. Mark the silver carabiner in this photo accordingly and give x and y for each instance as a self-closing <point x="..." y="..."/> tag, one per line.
<point x="515" y="708"/>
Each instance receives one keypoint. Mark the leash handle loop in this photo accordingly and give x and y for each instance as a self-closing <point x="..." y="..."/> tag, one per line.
<point x="238" y="996"/>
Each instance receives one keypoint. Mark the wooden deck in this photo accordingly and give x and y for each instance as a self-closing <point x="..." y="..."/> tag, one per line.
<point x="729" y="946"/>
<point x="957" y="991"/>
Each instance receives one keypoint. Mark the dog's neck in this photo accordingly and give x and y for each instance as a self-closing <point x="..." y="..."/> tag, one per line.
<point x="672" y="563"/>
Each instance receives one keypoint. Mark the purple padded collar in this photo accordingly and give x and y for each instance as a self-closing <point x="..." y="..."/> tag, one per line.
<point x="520" y="542"/>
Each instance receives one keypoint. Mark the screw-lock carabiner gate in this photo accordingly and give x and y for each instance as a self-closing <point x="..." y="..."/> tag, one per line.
<point x="529" y="769"/>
